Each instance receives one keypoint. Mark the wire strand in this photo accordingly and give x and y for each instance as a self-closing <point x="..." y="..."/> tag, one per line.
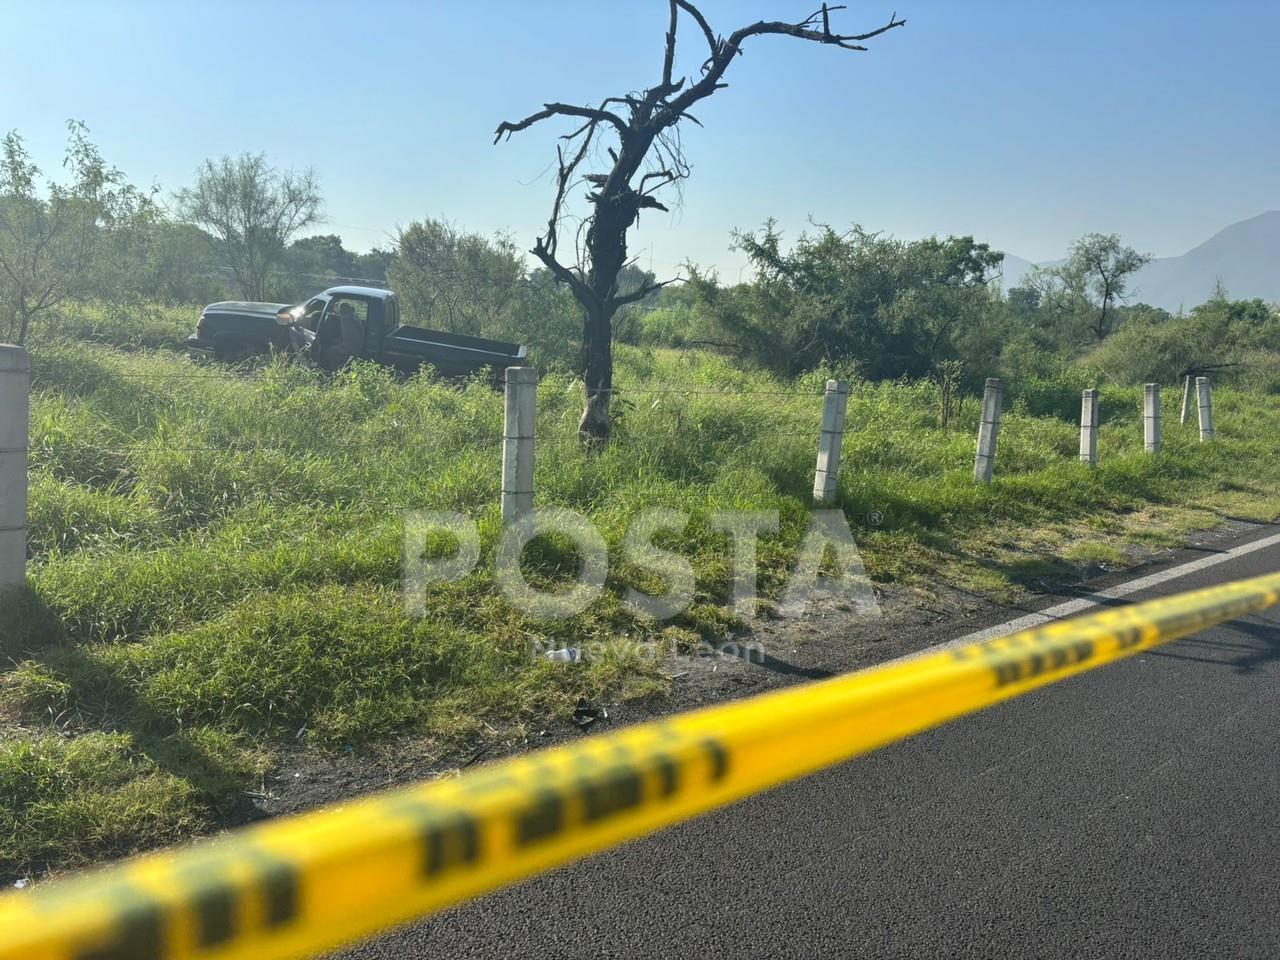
<point x="336" y="447"/>
<point x="651" y="389"/>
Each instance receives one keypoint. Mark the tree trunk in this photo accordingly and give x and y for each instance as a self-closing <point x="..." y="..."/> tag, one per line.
<point x="607" y="249"/>
<point x="24" y="326"/>
<point x="8" y="322"/>
<point x="597" y="374"/>
<point x="654" y="115"/>
<point x="258" y="282"/>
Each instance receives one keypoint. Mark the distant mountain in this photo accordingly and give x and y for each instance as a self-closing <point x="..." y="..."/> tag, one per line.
<point x="1015" y="271"/>
<point x="1244" y="256"/>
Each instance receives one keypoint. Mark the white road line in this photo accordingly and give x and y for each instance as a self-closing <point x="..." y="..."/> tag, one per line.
<point x="1080" y="604"/>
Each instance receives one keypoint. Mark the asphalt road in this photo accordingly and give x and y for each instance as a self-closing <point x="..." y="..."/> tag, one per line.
<point x="1133" y="811"/>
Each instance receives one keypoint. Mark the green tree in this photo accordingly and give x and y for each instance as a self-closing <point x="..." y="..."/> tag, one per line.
<point x="63" y="242"/>
<point x="374" y="264"/>
<point x="1221" y="335"/>
<point x="896" y="308"/>
<point x="1085" y="291"/>
<point x="449" y="279"/>
<point x="452" y="280"/>
<point x="177" y="264"/>
<point x="252" y="211"/>
<point x="1024" y="304"/>
<point x="322" y="255"/>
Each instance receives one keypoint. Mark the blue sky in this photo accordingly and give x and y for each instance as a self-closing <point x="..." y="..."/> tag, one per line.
<point x="1023" y="122"/>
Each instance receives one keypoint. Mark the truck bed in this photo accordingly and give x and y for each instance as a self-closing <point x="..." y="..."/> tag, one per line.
<point x="452" y="354"/>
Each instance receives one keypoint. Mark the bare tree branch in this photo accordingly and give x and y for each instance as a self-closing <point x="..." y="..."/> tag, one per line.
<point x="648" y="148"/>
<point x="694" y="12"/>
<point x="669" y="59"/>
<point x="564" y="175"/>
<point x="562" y="110"/>
<point x="562" y="273"/>
<point x="730" y="48"/>
<point x="666" y="176"/>
<point x="641" y="292"/>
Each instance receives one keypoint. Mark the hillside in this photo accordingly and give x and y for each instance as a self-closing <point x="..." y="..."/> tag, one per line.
<point x="1243" y="256"/>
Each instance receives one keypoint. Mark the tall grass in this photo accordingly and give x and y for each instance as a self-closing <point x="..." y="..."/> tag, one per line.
<point x="216" y="553"/>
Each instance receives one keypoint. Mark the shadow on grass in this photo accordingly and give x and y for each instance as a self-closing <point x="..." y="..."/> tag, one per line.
<point x="1040" y="573"/>
<point x="1233" y="518"/>
<point x="1048" y="574"/>
<point x="103" y="701"/>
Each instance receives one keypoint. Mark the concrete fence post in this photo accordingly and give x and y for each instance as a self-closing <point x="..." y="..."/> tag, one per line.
<point x="826" y="478"/>
<point x="1205" y="401"/>
<point x="517" y="442"/>
<point x="15" y="388"/>
<point x="1089" y="427"/>
<point x="1186" y="398"/>
<point x="984" y="460"/>
<point x="1151" y="417"/>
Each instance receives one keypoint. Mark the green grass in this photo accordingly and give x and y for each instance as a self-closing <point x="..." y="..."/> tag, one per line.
<point x="215" y="566"/>
<point x="130" y="326"/>
<point x="1093" y="552"/>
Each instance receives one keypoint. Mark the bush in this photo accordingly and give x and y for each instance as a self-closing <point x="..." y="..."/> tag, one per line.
<point x="1226" y="337"/>
<point x="1056" y="394"/>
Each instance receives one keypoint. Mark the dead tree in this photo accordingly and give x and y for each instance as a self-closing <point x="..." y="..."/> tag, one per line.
<point x="644" y="157"/>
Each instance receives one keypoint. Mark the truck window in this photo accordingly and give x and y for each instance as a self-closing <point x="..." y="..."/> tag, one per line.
<point x="360" y="308"/>
<point x="332" y="327"/>
<point x="312" y="312"/>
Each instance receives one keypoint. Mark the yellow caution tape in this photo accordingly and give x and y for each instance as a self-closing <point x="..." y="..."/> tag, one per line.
<point x="302" y="885"/>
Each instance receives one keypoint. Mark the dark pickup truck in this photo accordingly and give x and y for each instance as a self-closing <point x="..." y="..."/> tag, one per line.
<point x="339" y="324"/>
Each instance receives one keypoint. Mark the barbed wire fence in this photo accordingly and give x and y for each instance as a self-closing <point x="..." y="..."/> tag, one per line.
<point x="552" y="425"/>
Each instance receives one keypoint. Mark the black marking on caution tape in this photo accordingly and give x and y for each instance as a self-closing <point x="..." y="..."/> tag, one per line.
<point x="615" y="789"/>
<point x="1041" y="661"/>
<point x="279" y="885"/>
<point x="139" y="932"/>
<point x="669" y="773"/>
<point x="1029" y="656"/>
<point x="603" y="791"/>
<point x="448" y="837"/>
<point x="719" y="758"/>
<point x="543" y="818"/>
<point x="215" y="915"/>
<point x="216" y="899"/>
<point x="450" y="843"/>
<point x="1192" y="620"/>
<point x="1128" y="637"/>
